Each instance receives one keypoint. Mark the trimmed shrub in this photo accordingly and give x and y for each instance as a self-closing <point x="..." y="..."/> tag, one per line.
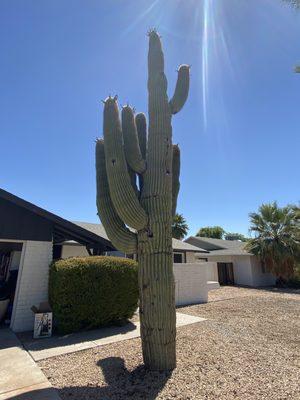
<point x="89" y="292"/>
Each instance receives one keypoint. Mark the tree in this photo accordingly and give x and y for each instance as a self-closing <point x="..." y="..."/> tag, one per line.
<point x="235" y="236"/>
<point x="216" y="232"/>
<point x="128" y="153"/>
<point x="277" y="238"/>
<point x="179" y="228"/>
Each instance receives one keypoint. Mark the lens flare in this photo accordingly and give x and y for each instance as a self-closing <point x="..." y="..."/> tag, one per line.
<point x="206" y="15"/>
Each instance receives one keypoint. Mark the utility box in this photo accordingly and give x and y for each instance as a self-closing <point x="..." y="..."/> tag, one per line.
<point x="42" y="320"/>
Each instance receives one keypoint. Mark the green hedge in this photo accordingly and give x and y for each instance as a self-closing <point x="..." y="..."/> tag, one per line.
<point x="90" y="292"/>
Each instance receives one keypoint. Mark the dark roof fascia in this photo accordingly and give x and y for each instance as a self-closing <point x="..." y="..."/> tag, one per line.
<point x="61" y="223"/>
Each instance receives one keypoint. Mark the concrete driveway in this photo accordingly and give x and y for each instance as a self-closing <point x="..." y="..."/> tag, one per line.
<point x="20" y="377"/>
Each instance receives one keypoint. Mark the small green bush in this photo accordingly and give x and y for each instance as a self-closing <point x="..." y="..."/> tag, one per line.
<point x="90" y="292"/>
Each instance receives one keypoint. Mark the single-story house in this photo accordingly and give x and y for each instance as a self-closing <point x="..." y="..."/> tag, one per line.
<point x="234" y="264"/>
<point x="183" y="252"/>
<point x="31" y="237"/>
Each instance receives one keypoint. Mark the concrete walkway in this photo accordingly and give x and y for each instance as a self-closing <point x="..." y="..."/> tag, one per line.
<point x="44" y="348"/>
<point x="20" y="377"/>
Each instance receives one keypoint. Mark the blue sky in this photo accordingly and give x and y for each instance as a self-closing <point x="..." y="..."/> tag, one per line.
<point x="238" y="132"/>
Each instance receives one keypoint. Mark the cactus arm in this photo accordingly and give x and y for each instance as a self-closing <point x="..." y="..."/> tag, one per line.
<point x="131" y="143"/>
<point x="175" y="177"/>
<point x="181" y="90"/>
<point x="122" y="193"/>
<point x="121" y="237"/>
<point x="141" y="126"/>
<point x="157" y="178"/>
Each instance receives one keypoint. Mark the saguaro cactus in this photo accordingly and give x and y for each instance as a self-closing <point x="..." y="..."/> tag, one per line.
<point x="128" y="153"/>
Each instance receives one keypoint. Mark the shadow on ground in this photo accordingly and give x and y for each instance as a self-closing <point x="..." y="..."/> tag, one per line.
<point x="121" y="383"/>
<point x="275" y="289"/>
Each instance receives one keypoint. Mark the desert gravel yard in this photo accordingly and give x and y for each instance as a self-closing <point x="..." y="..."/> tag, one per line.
<point x="248" y="348"/>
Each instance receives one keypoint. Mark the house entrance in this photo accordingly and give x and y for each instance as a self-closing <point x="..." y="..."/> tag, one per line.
<point x="225" y="273"/>
<point x="10" y="257"/>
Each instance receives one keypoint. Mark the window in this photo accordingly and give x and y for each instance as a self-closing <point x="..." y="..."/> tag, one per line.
<point x="178" y="258"/>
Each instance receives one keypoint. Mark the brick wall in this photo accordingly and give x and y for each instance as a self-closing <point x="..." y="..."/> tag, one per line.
<point x="32" y="286"/>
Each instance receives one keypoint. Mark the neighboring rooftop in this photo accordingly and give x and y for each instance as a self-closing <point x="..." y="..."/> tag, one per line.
<point x="99" y="230"/>
<point x="185" y="246"/>
<point x="218" y="246"/>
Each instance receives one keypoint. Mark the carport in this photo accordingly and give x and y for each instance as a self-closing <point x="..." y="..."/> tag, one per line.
<point x="30" y="238"/>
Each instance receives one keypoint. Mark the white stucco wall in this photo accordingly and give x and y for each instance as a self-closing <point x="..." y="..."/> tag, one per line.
<point x="32" y="284"/>
<point x="246" y="270"/>
<point x="190" y="257"/>
<point x="190" y="283"/>
<point x="71" y="250"/>
<point x="212" y="271"/>
<point x="242" y="270"/>
<point x="259" y="277"/>
<point x="219" y="258"/>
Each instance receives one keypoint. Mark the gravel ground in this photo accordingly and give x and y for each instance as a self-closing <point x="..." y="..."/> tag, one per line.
<point x="248" y="348"/>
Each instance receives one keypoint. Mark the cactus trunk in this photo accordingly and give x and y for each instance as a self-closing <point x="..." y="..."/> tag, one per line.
<point x="157" y="302"/>
<point x="128" y="153"/>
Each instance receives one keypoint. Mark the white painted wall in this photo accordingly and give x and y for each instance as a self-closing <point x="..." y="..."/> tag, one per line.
<point x="242" y="270"/>
<point x="190" y="257"/>
<point x="32" y="285"/>
<point x="212" y="271"/>
<point x="259" y="277"/>
<point x="246" y="269"/>
<point x="73" y="250"/>
<point x="190" y="283"/>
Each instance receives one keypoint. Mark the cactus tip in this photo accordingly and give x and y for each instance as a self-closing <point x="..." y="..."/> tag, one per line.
<point x="152" y="32"/>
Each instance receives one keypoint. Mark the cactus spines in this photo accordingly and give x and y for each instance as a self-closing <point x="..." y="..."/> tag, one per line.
<point x="128" y="152"/>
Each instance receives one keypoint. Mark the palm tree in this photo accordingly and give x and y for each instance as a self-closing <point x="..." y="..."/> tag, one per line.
<point x="277" y="238"/>
<point x="179" y="228"/>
